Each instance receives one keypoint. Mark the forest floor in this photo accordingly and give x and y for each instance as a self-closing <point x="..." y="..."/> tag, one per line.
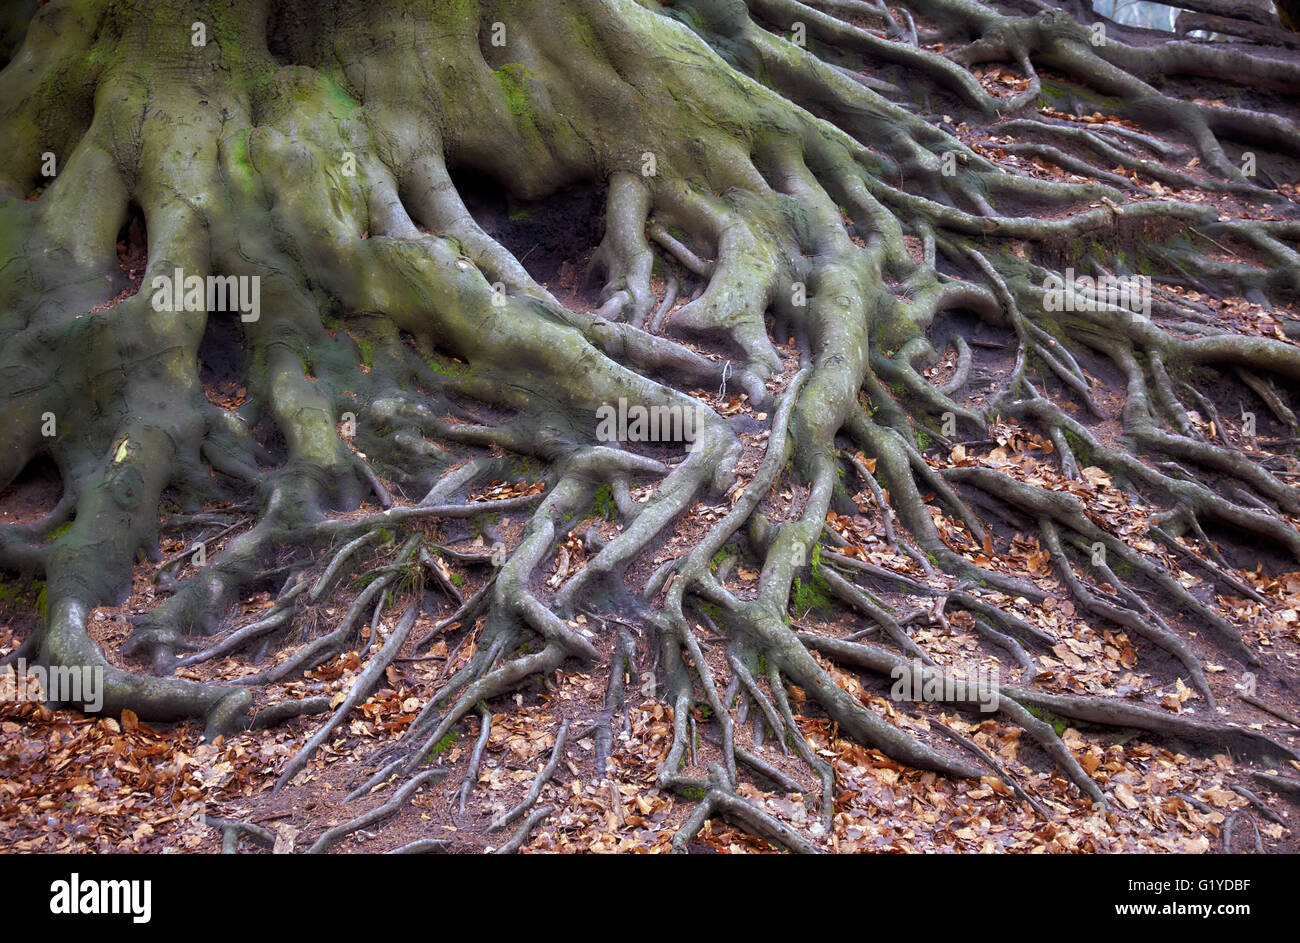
<point x="70" y="782"/>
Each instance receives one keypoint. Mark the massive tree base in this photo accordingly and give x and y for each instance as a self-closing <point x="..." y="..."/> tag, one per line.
<point x="830" y="265"/>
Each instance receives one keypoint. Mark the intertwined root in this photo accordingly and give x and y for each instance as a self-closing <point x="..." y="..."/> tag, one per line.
<point x="789" y="199"/>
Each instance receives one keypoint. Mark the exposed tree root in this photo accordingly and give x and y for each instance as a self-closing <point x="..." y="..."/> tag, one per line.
<point x="421" y="846"/>
<point x="521" y="834"/>
<point x="360" y="691"/>
<point x="786" y="193"/>
<point x="399" y="798"/>
<point x="231" y="830"/>
<point x="535" y="791"/>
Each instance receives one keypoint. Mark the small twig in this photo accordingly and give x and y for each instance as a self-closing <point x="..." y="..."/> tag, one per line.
<point x="175" y="558"/>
